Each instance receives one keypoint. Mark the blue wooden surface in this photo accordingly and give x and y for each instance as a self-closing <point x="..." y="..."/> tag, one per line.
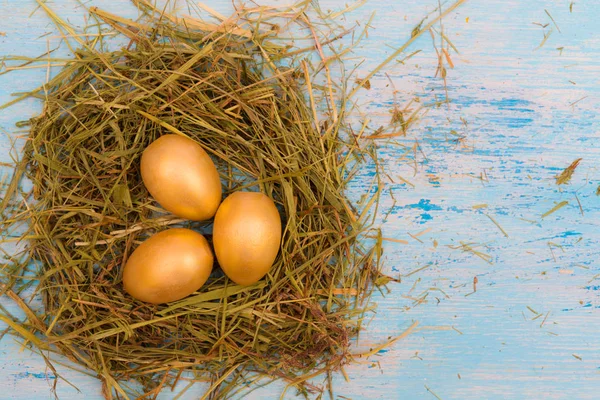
<point x="521" y="129"/>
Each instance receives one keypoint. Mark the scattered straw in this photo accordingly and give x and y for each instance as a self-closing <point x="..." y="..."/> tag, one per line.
<point x="554" y="209"/>
<point x="567" y="173"/>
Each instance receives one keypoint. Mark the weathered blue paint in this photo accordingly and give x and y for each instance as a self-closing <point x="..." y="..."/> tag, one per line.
<point x="38" y="375"/>
<point x="522" y="129"/>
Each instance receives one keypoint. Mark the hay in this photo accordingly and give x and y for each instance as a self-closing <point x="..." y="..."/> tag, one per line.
<point x="254" y="109"/>
<point x="256" y="92"/>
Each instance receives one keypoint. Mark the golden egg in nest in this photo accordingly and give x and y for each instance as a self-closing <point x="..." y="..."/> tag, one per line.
<point x="181" y="176"/>
<point x="247" y="236"/>
<point x="168" y="266"/>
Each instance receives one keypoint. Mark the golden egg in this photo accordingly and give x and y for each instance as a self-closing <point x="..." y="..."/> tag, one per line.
<point x="181" y="177"/>
<point x="168" y="266"/>
<point x="246" y="236"/>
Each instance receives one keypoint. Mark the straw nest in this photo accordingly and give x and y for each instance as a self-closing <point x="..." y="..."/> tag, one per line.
<point x="272" y="121"/>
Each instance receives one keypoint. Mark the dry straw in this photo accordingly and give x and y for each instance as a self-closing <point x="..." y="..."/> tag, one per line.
<point x="256" y="91"/>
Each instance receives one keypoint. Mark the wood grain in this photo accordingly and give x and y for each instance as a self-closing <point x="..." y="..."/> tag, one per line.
<point x="520" y="115"/>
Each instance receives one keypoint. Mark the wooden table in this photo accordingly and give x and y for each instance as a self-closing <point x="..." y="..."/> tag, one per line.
<point x="472" y="193"/>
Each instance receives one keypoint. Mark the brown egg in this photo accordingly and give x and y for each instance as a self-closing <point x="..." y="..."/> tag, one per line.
<point x="181" y="177"/>
<point x="246" y="236"/>
<point x="168" y="266"/>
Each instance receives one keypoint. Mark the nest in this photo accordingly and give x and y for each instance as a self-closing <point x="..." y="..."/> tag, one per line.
<point x="273" y="121"/>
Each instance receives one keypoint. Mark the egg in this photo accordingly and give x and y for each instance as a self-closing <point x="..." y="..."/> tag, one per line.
<point x="246" y="236"/>
<point x="180" y="175"/>
<point x="168" y="266"/>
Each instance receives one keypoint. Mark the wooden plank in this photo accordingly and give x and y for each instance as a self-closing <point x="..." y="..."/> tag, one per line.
<point x="529" y="114"/>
